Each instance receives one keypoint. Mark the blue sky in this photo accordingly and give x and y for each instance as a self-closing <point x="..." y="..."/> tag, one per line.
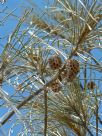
<point x="9" y="25"/>
<point x="13" y="6"/>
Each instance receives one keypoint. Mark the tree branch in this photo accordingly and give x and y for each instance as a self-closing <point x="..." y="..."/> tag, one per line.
<point x="37" y="91"/>
<point x="30" y="97"/>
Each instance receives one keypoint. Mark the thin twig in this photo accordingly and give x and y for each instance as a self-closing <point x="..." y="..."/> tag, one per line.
<point x="96" y="119"/>
<point x="96" y="115"/>
<point x="45" y="119"/>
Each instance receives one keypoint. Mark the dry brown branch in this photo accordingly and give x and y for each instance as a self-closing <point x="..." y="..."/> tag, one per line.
<point x="86" y="30"/>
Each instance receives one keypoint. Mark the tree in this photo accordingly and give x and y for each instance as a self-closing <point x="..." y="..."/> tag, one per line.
<point x="51" y="64"/>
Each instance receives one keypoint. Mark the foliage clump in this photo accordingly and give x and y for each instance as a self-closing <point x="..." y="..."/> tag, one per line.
<point x="50" y="69"/>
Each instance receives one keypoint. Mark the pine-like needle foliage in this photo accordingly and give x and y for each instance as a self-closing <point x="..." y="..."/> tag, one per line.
<point x="50" y="62"/>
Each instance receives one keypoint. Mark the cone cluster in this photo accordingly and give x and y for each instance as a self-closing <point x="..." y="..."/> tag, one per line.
<point x="71" y="67"/>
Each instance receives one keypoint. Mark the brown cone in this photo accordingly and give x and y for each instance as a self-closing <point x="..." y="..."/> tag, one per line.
<point x="55" y="62"/>
<point x="91" y="85"/>
<point x="72" y="68"/>
<point x="55" y="86"/>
